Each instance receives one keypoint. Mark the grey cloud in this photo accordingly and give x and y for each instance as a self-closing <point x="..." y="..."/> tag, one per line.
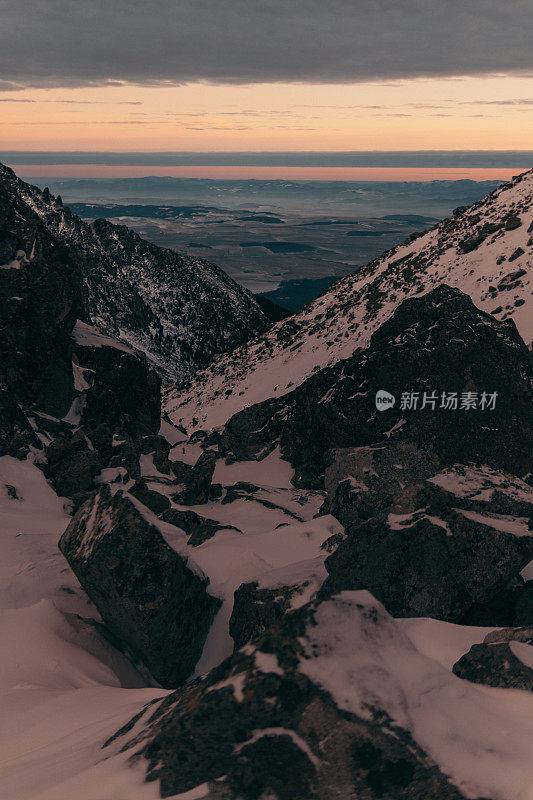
<point x="168" y="42"/>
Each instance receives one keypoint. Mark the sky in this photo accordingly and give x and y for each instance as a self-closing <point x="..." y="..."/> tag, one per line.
<point x="251" y="76"/>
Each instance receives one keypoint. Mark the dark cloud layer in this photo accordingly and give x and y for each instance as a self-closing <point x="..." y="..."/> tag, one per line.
<point x="73" y="43"/>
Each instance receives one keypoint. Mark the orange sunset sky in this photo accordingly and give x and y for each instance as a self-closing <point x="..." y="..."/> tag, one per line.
<point x="446" y="113"/>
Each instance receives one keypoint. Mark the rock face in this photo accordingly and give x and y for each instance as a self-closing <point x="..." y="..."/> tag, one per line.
<point x="448" y="545"/>
<point x="72" y="465"/>
<point x="432" y="344"/>
<point x="180" y="311"/>
<point x="147" y="595"/>
<point x="40" y="299"/>
<point x="266" y="723"/>
<point x="508" y="665"/>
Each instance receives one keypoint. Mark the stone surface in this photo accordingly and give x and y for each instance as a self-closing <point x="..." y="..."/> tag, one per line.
<point x="147" y="595"/>
<point x="424" y="565"/>
<point x="498" y="664"/>
<point x="198" y="481"/>
<point x="258" y="726"/>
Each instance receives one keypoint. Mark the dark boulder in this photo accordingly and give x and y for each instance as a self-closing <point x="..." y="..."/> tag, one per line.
<point x="72" y="465"/>
<point x="260" y="726"/>
<point x="255" y="610"/>
<point x="423" y="565"/>
<point x="160" y="448"/>
<point x="199" y="479"/>
<point x="523" y="608"/>
<point x="362" y="482"/>
<point x="125" y="392"/>
<point x="507" y="665"/>
<point x="147" y="595"/>
<point x="198" y="528"/>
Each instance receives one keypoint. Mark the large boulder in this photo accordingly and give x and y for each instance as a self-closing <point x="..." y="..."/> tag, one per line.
<point x="315" y="709"/>
<point x="433" y="562"/>
<point x="364" y="481"/>
<point x="434" y="344"/>
<point x="146" y="593"/>
<point x="72" y="464"/>
<point x="123" y="391"/>
<point x="198" y="481"/>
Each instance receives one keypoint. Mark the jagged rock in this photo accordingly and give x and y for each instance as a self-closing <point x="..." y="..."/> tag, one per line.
<point x="505" y="664"/>
<point x="16" y="433"/>
<point x="199" y="481"/>
<point x="198" y="528"/>
<point x="72" y="465"/>
<point x="155" y="501"/>
<point x="255" y="610"/>
<point x="181" y="471"/>
<point x="147" y="595"/>
<point x="523" y="609"/>
<point x="124" y="454"/>
<point x="238" y="491"/>
<point x="421" y="564"/>
<point x="430" y="344"/>
<point x="266" y="722"/>
<point x="497" y="610"/>
<point x="259" y="604"/>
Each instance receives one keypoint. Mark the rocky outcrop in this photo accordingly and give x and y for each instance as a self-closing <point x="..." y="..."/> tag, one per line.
<point x="361" y="482"/>
<point x="72" y="464"/>
<point x="199" y="529"/>
<point x="433" y="558"/>
<point x="266" y="723"/>
<point x="122" y="390"/>
<point x="432" y="344"/>
<point x="40" y="299"/>
<point x="146" y="593"/>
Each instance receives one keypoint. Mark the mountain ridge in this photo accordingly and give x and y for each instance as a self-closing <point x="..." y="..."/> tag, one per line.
<point x="486" y="250"/>
<point x="158" y="301"/>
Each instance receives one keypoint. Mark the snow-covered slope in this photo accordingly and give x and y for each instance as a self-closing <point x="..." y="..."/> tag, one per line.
<point x="486" y="250"/>
<point x="180" y="311"/>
